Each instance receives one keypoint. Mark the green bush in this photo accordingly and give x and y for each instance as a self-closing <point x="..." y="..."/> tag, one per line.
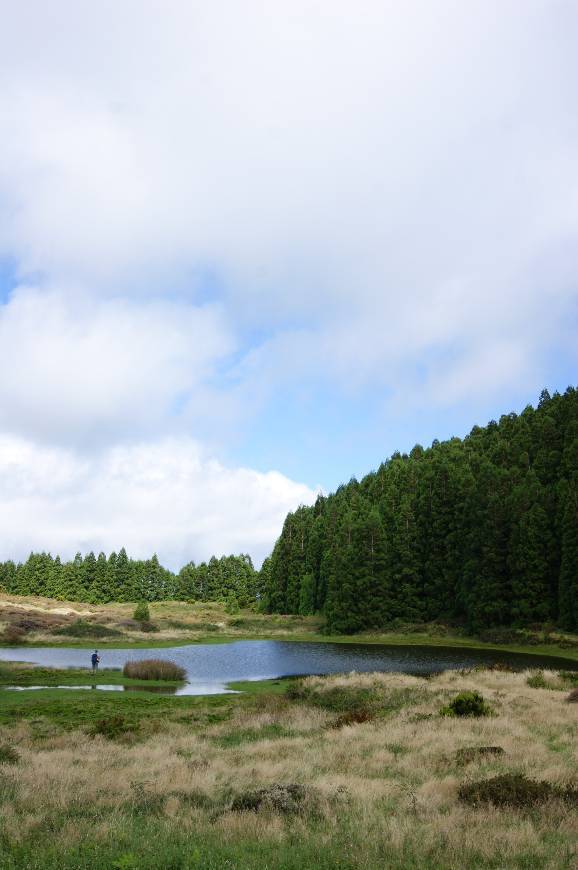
<point x="467" y="704"/>
<point x="81" y="628"/>
<point x="154" y="669"/>
<point x="231" y="604"/>
<point x="112" y="727"/>
<point x="8" y="755"/>
<point x="141" y="612"/>
<point x="515" y="790"/>
<point x="537" y="681"/>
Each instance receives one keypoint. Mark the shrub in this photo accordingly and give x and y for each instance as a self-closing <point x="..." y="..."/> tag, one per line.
<point x="8" y="755"/>
<point x="467" y="754"/>
<point x="141" y="612"/>
<point x="353" y="717"/>
<point x="467" y="704"/>
<point x="81" y="628"/>
<point x="112" y="727"/>
<point x="231" y="604"/>
<point x="537" y="681"/>
<point x="13" y="634"/>
<point x="154" y="669"/>
<point x="148" y="626"/>
<point x="515" y="790"/>
<point x="287" y="799"/>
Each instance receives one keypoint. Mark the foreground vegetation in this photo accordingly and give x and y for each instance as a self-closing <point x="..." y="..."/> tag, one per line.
<point x="356" y="771"/>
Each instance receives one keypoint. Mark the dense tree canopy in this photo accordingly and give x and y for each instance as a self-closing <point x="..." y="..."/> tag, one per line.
<point x="483" y="531"/>
<point x="98" y="579"/>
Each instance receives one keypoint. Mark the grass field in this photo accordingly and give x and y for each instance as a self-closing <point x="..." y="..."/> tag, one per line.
<point x="361" y="771"/>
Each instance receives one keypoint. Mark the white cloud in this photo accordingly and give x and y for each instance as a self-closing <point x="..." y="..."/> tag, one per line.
<point x="337" y="166"/>
<point x="382" y="196"/>
<point x="165" y="496"/>
<point x="75" y="369"/>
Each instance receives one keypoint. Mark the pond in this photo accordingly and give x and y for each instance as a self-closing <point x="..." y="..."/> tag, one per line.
<point x="211" y="666"/>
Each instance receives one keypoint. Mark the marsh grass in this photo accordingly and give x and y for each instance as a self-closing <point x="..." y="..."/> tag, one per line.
<point x="154" y="669"/>
<point x="387" y="790"/>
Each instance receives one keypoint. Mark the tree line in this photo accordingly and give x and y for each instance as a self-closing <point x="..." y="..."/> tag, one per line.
<point x="482" y="531"/>
<point x="116" y="577"/>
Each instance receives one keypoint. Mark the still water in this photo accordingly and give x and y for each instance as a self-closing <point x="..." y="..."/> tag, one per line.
<point x="211" y="666"/>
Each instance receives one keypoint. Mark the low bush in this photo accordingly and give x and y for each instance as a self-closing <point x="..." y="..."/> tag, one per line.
<point x="467" y="754"/>
<point x="286" y="799"/>
<point x="141" y="612"/>
<point x="537" y="681"/>
<point x="148" y="627"/>
<point x="8" y="755"/>
<point x="112" y="727"/>
<point x="467" y="704"/>
<point x="82" y="628"/>
<point x="515" y="790"/>
<point x="13" y="634"/>
<point x="154" y="669"/>
<point x="353" y="717"/>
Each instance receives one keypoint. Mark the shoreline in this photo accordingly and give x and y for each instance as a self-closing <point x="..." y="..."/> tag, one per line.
<point x="542" y="650"/>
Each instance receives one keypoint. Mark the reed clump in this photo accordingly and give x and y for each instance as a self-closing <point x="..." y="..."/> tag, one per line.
<point x="154" y="669"/>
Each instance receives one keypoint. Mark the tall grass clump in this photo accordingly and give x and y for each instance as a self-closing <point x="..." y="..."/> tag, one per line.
<point x="154" y="669"/>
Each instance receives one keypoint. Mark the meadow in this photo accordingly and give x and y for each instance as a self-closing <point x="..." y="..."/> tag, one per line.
<point x="353" y="771"/>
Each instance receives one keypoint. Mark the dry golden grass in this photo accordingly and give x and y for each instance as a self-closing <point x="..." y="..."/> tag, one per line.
<point x="175" y="621"/>
<point x="391" y="783"/>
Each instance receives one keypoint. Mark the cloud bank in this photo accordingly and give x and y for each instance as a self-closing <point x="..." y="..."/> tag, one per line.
<point x="166" y="497"/>
<point x="217" y="213"/>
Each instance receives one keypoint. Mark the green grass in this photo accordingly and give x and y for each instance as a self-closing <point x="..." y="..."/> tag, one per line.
<point x="14" y="675"/>
<point x="142" y="842"/>
<point x="67" y="709"/>
<point x="263" y="687"/>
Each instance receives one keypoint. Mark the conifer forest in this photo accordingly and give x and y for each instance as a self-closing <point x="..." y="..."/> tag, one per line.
<point x="482" y="531"/>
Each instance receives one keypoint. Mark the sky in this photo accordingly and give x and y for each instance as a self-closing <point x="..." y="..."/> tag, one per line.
<point x="249" y="250"/>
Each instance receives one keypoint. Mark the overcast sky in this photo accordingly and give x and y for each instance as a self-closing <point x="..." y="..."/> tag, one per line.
<point x="249" y="249"/>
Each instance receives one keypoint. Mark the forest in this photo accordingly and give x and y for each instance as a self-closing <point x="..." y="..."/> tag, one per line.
<point x="100" y="579"/>
<point x="480" y="531"/>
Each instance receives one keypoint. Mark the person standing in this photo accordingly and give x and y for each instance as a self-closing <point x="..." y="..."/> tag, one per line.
<point x="95" y="659"/>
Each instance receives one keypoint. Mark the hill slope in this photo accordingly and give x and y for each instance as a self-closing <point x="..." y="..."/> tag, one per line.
<point x="483" y="531"/>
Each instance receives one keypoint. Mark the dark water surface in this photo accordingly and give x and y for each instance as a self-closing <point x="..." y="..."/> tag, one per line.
<point x="211" y="666"/>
